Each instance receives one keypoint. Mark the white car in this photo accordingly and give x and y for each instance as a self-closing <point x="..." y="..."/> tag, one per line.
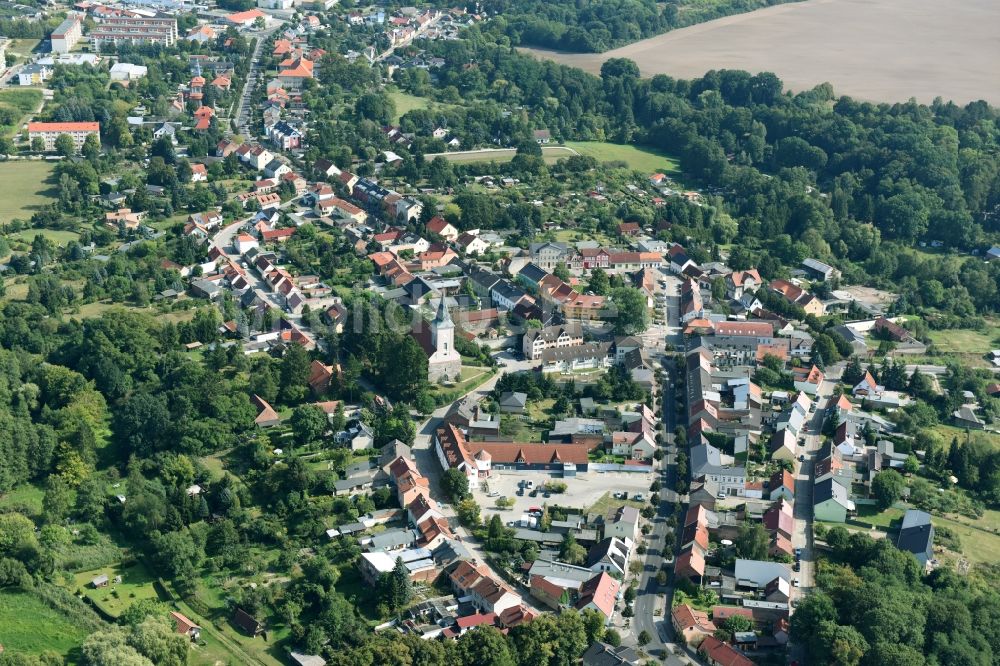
<point x="795" y="582"/>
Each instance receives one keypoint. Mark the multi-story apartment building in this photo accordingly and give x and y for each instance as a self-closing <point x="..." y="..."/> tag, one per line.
<point x="65" y="37"/>
<point x="134" y="30"/>
<point x="48" y="132"/>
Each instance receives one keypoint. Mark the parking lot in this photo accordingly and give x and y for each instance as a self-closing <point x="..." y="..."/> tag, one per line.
<point x="582" y="491"/>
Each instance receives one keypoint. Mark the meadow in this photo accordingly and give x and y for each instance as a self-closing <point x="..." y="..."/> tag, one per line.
<point x="28" y="625"/>
<point x="27" y="187"/>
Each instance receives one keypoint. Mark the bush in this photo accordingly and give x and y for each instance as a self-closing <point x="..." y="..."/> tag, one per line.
<point x="555" y="487"/>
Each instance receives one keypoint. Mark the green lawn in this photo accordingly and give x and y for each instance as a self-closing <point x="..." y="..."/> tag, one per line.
<point x="29" y="626"/>
<point x="405" y="102"/>
<point x="57" y="236"/>
<point x="26" y="188"/>
<point x="647" y="160"/>
<point x="869" y="515"/>
<point x="137" y="584"/>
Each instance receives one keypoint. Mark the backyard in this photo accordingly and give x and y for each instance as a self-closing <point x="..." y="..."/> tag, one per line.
<point x="136" y="584"/>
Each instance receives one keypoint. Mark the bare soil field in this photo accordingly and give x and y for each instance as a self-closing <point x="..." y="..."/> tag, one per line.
<point x="877" y="50"/>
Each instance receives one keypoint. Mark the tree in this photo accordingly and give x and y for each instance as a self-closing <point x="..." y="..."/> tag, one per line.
<point x="455" y="485"/>
<point x="58" y="500"/>
<point x="64" y="145"/>
<point x="394" y="587"/>
<point x="570" y="551"/>
<point x="752" y="542"/>
<point x="631" y="314"/>
<point x="91" y="147"/>
<point x="644" y="638"/>
<point x="599" y="282"/>
<point x="156" y="639"/>
<point x="308" y="424"/>
<point x="887" y="486"/>
<point x="294" y="373"/>
<point x="484" y="646"/>
<point x="734" y="624"/>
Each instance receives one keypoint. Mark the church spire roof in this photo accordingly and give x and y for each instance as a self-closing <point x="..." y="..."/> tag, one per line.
<point x="443" y="317"/>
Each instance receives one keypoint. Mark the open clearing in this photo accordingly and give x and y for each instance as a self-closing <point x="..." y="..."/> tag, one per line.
<point x="28" y="626"/>
<point x="890" y="50"/>
<point x="647" y="160"/>
<point x="26" y="188"/>
<point x="550" y="153"/>
<point x="406" y="102"/>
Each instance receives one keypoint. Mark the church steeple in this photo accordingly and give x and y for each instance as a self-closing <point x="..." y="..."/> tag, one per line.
<point x="443" y="318"/>
<point x="443" y="330"/>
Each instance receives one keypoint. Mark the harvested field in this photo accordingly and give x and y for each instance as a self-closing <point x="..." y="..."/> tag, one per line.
<point x="878" y="50"/>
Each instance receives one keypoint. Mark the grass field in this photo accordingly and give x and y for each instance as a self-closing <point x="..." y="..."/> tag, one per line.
<point x="27" y="496"/>
<point x="57" y="236"/>
<point x="948" y="432"/>
<point x="137" y="584"/>
<point x="406" y="102"/>
<point x="968" y="345"/>
<point x="979" y="546"/>
<point x="29" y="626"/>
<point x="551" y="154"/>
<point x="22" y="47"/>
<point x="23" y="102"/>
<point x="26" y="188"/>
<point x="646" y="160"/>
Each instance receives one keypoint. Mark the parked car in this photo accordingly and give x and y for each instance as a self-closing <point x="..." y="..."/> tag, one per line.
<point x="802" y="458"/>
<point x="638" y="497"/>
<point x="797" y="567"/>
<point x="494" y="493"/>
<point x="795" y="582"/>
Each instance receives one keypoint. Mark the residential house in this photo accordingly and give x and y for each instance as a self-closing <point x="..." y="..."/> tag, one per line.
<point x="536" y="341"/>
<point x="692" y="624"/>
<point x="916" y="535"/>
<point x="830" y="501"/>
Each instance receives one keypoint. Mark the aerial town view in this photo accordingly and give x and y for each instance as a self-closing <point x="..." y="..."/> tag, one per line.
<point x="499" y="333"/>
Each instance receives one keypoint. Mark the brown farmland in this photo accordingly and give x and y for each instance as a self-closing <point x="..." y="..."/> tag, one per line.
<point x="878" y="50"/>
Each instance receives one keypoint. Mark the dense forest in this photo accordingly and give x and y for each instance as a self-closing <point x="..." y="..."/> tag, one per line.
<point x="593" y="27"/>
<point x="874" y="608"/>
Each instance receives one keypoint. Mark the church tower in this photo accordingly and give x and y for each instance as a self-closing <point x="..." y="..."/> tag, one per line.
<point x="445" y="362"/>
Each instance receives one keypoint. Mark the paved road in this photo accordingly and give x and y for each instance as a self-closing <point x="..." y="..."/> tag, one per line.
<point x="243" y="110"/>
<point x="650" y="596"/>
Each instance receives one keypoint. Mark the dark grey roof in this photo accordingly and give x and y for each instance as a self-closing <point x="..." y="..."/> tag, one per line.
<point x="533" y="273"/>
<point x="508" y="291"/>
<point x="593" y="350"/>
<point x="602" y="654"/>
<point x="829" y="489"/>
<point x="916" y="534"/>
<point x="515" y="398"/>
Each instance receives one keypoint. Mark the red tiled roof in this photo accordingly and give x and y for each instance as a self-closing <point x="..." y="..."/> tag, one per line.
<point x="64" y="127"/>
